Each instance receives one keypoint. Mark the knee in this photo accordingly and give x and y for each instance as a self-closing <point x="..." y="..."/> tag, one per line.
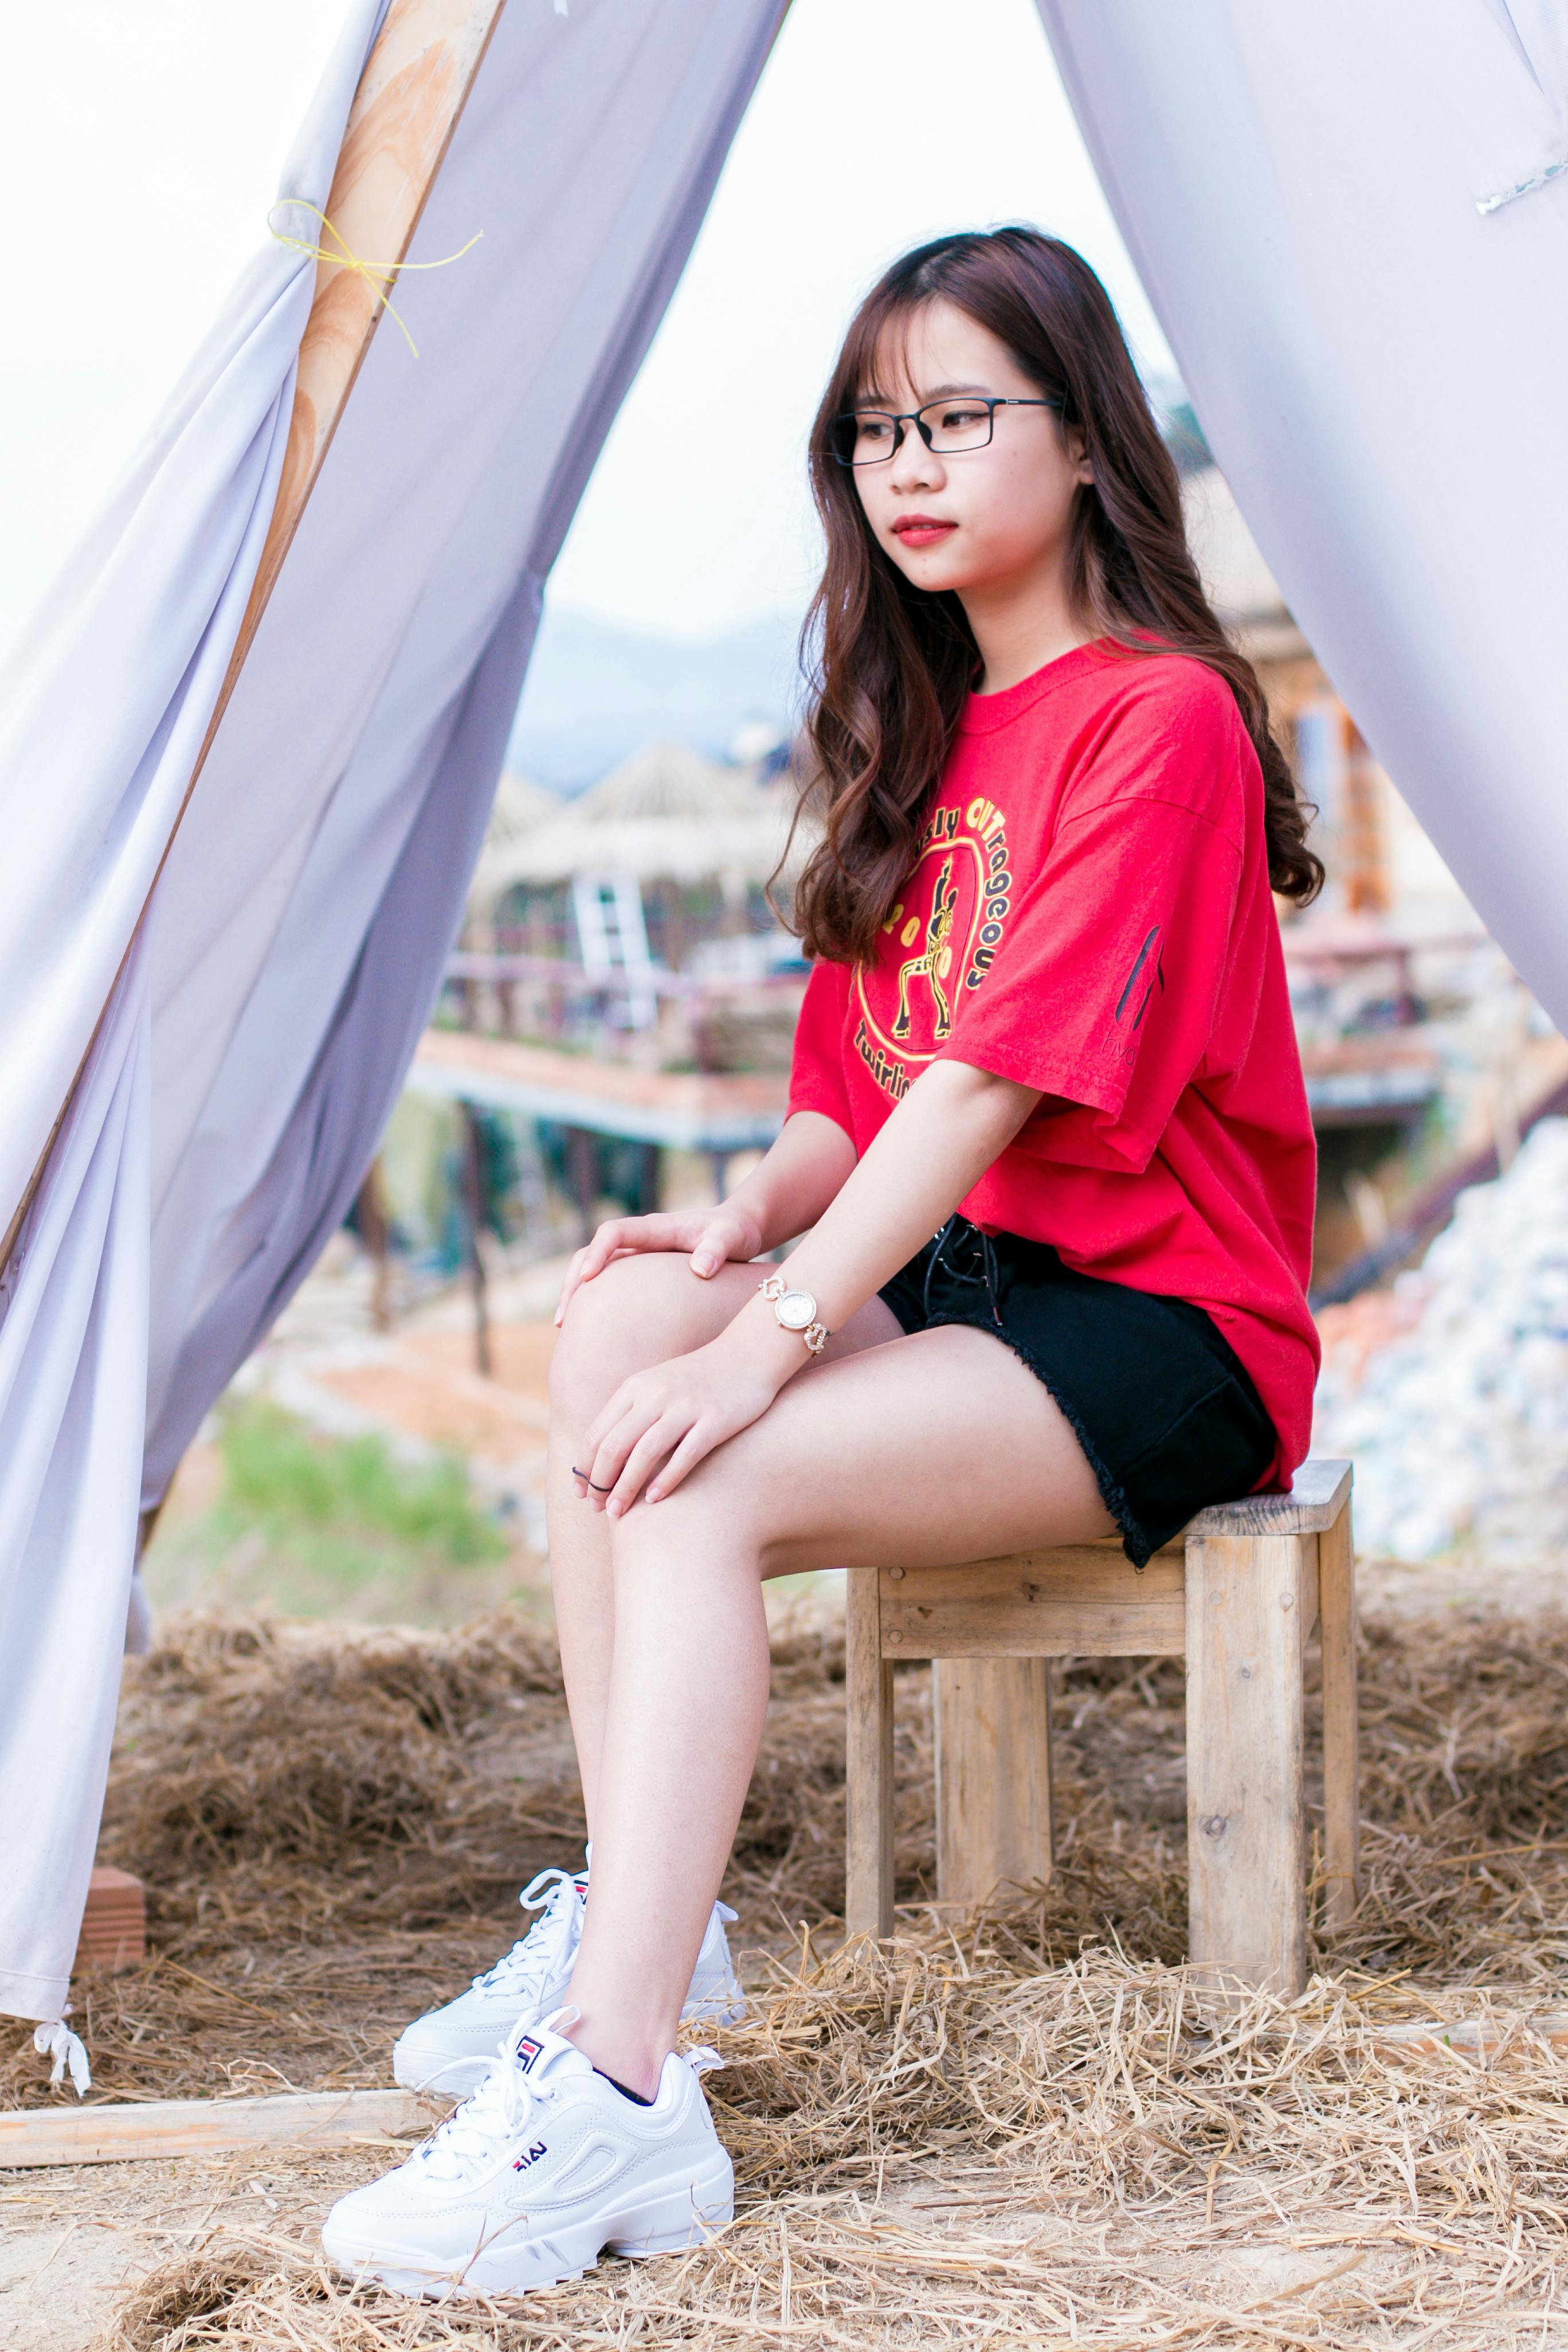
<point x="625" y="1319"/>
<point x="718" y="1513"/>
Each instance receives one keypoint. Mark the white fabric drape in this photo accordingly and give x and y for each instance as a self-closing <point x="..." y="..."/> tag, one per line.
<point x="73" y="1370"/>
<point x="260" y="1037"/>
<point x="103" y="707"/>
<point x="1352" y="221"/>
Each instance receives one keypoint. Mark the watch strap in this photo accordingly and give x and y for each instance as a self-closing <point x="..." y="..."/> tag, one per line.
<point x="815" y="1334"/>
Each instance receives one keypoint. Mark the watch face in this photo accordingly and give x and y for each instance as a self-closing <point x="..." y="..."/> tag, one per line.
<point x="796" y="1309"/>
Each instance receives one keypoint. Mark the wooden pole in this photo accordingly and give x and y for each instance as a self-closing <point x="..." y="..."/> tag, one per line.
<point x="410" y="98"/>
<point x="583" y="1174"/>
<point x="375" y="1232"/>
<point x="474" y="1186"/>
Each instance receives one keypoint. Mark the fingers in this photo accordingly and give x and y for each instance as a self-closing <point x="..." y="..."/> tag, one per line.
<point x="573" y="1277"/>
<point x="626" y="1462"/>
<point x="696" y="1447"/>
<point x="637" y="1406"/>
<point x="651" y="1450"/>
<point x="713" y="1241"/>
<point x="712" y="1247"/>
<point x="603" y="1425"/>
<point x="637" y="1429"/>
<point x="628" y="1452"/>
<point x="615" y="1238"/>
<point x="723" y="1236"/>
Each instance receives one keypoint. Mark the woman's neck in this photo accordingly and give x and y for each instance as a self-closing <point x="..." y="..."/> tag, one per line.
<point x="1018" y="632"/>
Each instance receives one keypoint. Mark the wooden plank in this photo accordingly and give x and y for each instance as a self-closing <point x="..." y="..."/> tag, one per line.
<point x="867" y="1763"/>
<point x="30" y="2136"/>
<point x="1246" y="1809"/>
<point x="1342" y="1763"/>
<point x="1473" y="2037"/>
<point x="993" y="1721"/>
<point x="1079" y="1600"/>
<point x="1320" y="1492"/>
<point x="410" y="98"/>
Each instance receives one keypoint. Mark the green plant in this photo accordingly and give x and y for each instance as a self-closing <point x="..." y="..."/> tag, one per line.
<point x="284" y="1481"/>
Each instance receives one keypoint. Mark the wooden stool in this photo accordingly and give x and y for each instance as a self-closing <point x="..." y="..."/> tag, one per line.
<point x="1238" y="1594"/>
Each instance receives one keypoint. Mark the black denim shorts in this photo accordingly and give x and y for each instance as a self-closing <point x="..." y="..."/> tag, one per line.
<point x="1159" y="1400"/>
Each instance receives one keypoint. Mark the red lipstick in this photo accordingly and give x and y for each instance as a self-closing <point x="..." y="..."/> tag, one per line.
<point x="920" y="529"/>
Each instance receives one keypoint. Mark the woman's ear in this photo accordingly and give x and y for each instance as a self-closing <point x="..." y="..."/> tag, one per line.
<point x="1077" y="453"/>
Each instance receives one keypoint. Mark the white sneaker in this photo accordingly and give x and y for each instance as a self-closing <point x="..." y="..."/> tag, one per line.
<point x="451" y="2049"/>
<point x="533" y="2176"/>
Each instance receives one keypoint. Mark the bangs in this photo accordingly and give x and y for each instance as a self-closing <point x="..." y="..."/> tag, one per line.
<point x="883" y="358"/>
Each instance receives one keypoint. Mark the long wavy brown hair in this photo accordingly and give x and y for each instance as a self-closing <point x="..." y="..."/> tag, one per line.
<point x="892" y="665"/>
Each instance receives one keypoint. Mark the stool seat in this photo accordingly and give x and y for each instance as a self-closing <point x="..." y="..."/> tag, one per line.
<point x="1237" y="1593"/>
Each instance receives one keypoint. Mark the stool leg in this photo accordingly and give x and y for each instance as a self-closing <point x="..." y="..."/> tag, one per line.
<point x="868" y="1761"/>
<point x="1246" y="1846"/>
<point x="1341" y="1772"/>
<point x="992" y="1722"/>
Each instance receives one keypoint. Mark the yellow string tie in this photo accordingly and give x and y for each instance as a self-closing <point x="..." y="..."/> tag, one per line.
<point x="377" y="274"/>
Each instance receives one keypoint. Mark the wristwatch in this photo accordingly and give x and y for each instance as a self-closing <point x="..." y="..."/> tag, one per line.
<point x="796" y="1310"/>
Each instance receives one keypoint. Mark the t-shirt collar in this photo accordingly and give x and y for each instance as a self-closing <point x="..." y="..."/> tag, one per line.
<point x="983" y="713"/>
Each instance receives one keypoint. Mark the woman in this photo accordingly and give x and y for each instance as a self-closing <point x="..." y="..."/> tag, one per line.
<point x="1047" y="1025"/>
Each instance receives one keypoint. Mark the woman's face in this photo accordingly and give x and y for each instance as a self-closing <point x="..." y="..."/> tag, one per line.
<point x="993" y="518"/>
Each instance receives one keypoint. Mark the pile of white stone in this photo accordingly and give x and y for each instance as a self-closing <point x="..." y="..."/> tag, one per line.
<point x="1458" y="1425"/>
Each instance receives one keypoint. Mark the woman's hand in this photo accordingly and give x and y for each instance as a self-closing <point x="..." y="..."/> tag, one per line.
<point x="711" y="1235"/>
<point x="660" y="1423"/>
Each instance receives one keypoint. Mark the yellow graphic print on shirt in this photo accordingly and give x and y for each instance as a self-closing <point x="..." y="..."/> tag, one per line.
<point x="938" y="942"/>
<point x="935" y="965"/>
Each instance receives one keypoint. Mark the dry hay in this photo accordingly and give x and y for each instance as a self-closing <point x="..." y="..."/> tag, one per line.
<point x="942" y="2144"/>
<point x="1012" y="2131"/>
<point x="333" y="1826"/>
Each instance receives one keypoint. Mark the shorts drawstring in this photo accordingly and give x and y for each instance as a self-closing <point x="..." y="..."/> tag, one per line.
<point x="987" y="1263"/>
<point x="933" y="1260"/>
<point x="988" y="1259"/>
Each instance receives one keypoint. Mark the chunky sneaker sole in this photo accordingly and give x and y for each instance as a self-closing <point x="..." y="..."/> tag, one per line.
<point x="449" y="2050"/>
<point x="667" y="2217"/>
<point x="490" y="2204"/>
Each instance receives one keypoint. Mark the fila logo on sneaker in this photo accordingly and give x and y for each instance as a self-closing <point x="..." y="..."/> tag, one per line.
<point x="528" y="2050"/>
<point x="532" y="2157"/>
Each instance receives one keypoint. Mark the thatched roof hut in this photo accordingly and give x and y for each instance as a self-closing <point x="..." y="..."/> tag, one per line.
<point x="521" y="806"/>
<point x="666" y="814"/>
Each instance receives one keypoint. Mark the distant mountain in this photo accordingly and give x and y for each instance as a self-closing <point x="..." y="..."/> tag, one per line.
<point x="594" y="693"/>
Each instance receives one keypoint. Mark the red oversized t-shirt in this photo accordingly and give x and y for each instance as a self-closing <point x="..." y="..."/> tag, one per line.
<point x="1090" y="914"/>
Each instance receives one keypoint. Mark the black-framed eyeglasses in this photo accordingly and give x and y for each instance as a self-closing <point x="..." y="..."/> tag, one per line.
<point x="869" y="437"/>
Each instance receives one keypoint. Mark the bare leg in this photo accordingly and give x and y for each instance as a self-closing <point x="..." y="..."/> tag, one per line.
<point x="937" y="1447"/>
<point x="639" y="1311"/>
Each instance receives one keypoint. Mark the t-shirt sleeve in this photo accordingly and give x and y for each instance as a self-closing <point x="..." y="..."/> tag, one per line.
<point x="816" y="1071"/>
<point x="1104" y="987"/>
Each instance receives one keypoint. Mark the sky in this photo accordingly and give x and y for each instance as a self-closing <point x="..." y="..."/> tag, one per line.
<point x="139" y="153"/>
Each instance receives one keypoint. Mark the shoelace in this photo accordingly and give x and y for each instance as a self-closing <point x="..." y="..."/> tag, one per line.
<point x="498" y="2112"/>
<point x="547" y="1943"/>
